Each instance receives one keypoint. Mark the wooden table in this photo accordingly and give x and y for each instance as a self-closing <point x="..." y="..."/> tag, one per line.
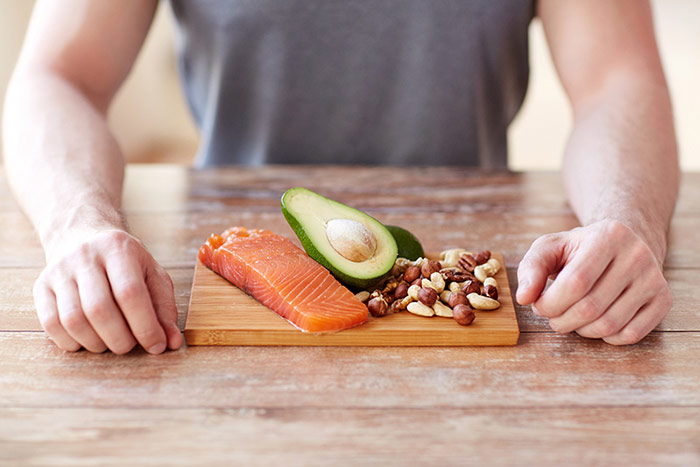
<point x="551" y="400"/>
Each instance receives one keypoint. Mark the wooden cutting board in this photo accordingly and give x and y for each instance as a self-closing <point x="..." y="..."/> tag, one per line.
<point x="222" y="314"/>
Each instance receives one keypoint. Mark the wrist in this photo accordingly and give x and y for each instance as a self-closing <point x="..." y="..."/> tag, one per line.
<point x="653" y="234"/>
<point x="73" y="225"/>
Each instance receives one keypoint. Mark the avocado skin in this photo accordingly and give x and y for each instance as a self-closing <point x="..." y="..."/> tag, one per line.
<point x="312" y="251"/>
<point x="410" y="250"/>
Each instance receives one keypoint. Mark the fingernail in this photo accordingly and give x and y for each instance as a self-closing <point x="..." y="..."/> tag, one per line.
<point x="157" y="349"/>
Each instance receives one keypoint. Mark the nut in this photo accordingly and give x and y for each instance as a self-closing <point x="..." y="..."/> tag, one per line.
<point x="419" y="262"/>
<point x="483" y="271"/>
<point x="482" y="256"/>
<point x="453" y="275"/>
<point x="495" y="265"/>
<point x="441" y="310"/>
<point x="466" y="262"/>
<point x="401" y="290"/>
<point x="457" y="298"/>
<point x="401" y="304"/>
<point x="412" y="273"/>
<point x="427" y="296"/>
<point x="491" y="281"/>
<point x="417" y="308"/>
<point x="362" y="296"/>
<point x="400" y="266"/>
<point x="417" y="282"/>
<point x="491" y="291"/>
<point x="430" y="267"/>
<point x="438" y="281"/>
<point x="471" y="287"/>
<point x="445" y="296"/>
<point x="390" y="285"/>
<point x="427" y="283"/>
<point x="413" y="291"/>
<point x="449" y="258"/>
<point x="377" y="306"/>
<point x="479" y="302"/>
<point x="454" y="287"/>
<point x="464" y="315"/>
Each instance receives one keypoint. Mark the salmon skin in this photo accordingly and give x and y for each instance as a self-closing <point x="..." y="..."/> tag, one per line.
<point x="284" y="278"/>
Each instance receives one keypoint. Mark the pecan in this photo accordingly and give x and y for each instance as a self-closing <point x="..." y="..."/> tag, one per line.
<point x="466" y="262"/>
<point x="454" y="275"/>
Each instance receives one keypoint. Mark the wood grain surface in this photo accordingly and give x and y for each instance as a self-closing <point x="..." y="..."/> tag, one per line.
<point x="222" y="314"/>
<point x="551" y="400"/>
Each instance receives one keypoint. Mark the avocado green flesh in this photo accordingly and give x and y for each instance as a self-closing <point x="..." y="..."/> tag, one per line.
<point x="408" y="245"/>
<point x="308" y="213"/>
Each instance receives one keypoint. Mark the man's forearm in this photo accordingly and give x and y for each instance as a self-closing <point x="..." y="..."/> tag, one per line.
<point x="61" y="159"/>
<point x="621" y="161"/>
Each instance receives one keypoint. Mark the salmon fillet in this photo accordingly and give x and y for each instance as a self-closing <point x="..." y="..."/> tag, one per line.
<point x="284" y="278"/>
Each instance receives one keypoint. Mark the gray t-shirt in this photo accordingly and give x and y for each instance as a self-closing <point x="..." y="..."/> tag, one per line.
<point x="391" y="82"/>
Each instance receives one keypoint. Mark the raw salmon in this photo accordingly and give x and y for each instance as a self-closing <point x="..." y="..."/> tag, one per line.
<point x="284" y="278"/>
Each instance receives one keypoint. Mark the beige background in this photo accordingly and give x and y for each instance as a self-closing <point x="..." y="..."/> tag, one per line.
<point x="152" y="123"/>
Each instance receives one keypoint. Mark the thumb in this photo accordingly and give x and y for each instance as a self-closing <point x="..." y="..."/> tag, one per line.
<point x="542" y="259"/>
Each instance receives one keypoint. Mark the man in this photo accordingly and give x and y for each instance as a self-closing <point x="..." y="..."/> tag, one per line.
<point x="346" y="81"/>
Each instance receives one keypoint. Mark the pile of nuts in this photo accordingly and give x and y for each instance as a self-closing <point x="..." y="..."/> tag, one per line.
<point x="453" y="287"/>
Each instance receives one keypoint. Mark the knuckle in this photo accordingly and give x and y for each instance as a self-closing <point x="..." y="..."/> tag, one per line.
<point x="98" y="311"/>
<point x="605" y="327"/>
<point x="578" y="283"/>
<point x="122" y="348"/>
<point x="128" y="291"/>
<point x="588" y="308"/>
<point x="50" y="323"/>
<point x="72" y="319"/>
<point x="69" y="347"/>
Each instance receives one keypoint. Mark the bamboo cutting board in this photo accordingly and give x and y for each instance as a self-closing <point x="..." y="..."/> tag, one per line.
<point x="222" y="314"/>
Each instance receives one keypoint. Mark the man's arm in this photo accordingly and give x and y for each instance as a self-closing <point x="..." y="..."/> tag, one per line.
<point x="621" y="174"/>
<point x="101" y="289"/>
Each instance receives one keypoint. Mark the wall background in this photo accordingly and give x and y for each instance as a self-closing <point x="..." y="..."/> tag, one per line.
<point x="151" y="121"/>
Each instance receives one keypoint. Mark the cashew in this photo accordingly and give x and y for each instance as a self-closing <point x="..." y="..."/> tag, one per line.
<point x="495" y="264"/>
<point x="419" y="262"/>
<point x="455" y="286"/>
<point x="438" y="282"/>
<point x="413" y="291"/>
<point x="479" y="302"/>
<point x="449" y="258"/>
<point x="483" y="271"/>
<point x="417" y="308"/>
<point x="442" y="310"/>
<point x="362" y="296"/>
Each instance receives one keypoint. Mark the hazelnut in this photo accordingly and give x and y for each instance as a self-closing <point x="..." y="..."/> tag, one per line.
<point x="482" y="256"/>
<point x="427" y="296"/>
<point x="471" y="287"/>
<point x="411" y="274"/>
<point x="457" y="298"/>
<point x="418" y="282"/>
<point x="463" y="314"/>
<point x="430" y="267"/>
<point x="491" y="291"/>
<point x="401" y="290"/>
<point x="377" y="306"/>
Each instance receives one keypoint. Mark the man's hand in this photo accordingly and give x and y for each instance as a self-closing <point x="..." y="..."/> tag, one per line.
<point x="104" y="291"/>
<point x="608" y="283"/>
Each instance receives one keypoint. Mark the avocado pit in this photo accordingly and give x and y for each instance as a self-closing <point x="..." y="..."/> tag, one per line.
<point x="351" y="239"/>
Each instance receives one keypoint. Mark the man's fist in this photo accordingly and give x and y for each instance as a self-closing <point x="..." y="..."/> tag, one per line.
<point x="105" y="291"/>
<point x="607" y="283"/>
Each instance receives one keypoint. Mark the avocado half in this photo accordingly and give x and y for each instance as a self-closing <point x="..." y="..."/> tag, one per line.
<point x="356" y="248"/>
